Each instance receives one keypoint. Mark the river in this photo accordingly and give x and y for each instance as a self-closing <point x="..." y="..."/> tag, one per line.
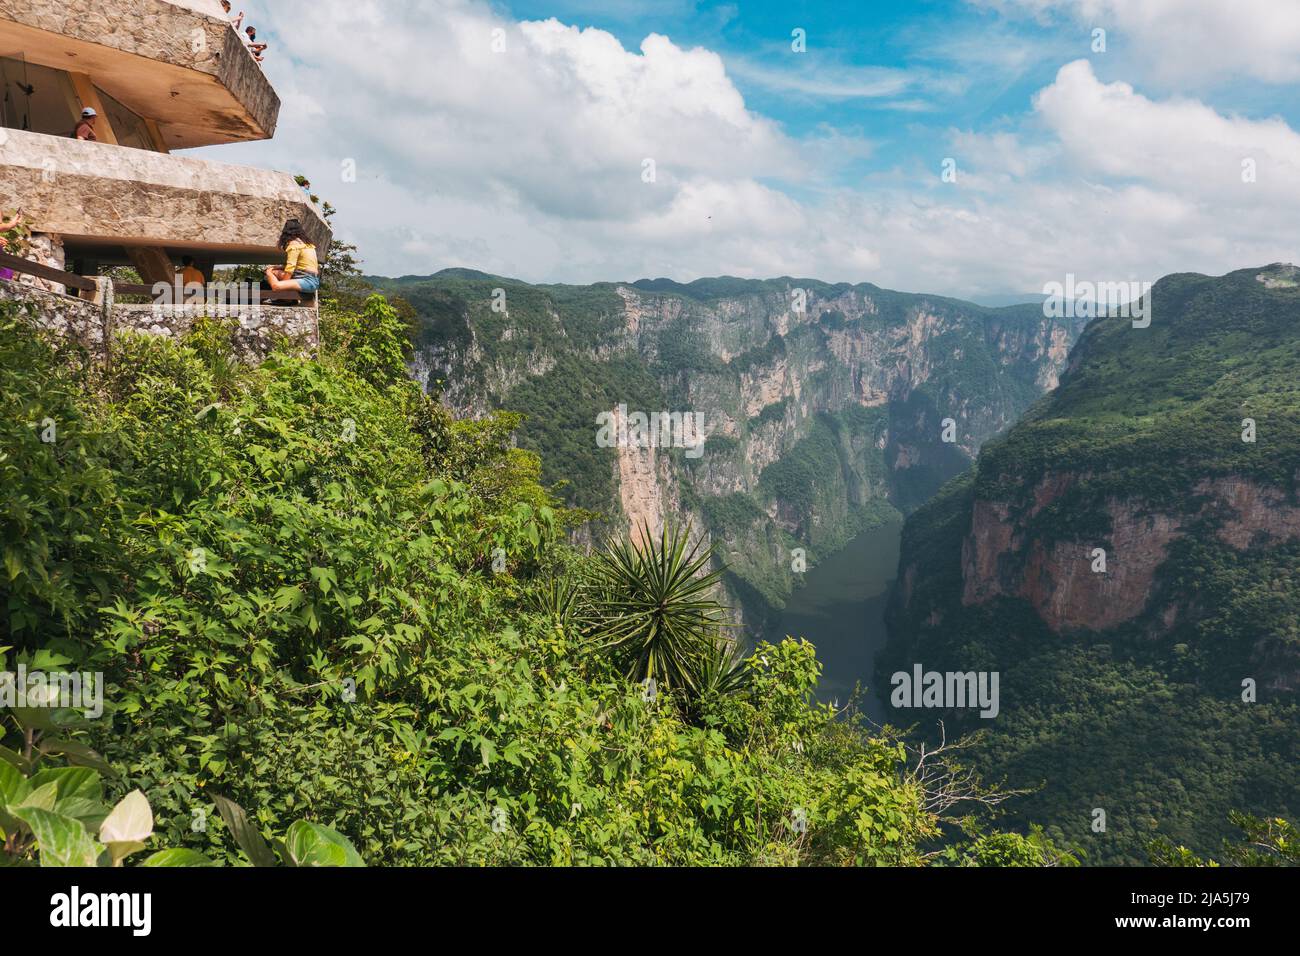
<point x="840" y="609"/>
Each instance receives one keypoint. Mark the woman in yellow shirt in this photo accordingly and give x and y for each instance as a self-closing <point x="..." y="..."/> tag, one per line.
<point x="301" y="271"/>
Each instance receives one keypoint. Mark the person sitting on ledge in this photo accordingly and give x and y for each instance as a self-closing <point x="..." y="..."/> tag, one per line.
<point x="301" y="272"/>
<point x="234" y="21"/>
<point x="86" y="128"/>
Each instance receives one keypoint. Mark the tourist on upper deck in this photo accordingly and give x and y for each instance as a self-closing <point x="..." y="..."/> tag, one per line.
<point x="301" y="270"/>
<point x="86" y="128"/>
<point x="234" y="21"/>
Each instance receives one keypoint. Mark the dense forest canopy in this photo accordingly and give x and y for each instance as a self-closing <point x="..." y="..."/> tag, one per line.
<point x="1186" y="712"/>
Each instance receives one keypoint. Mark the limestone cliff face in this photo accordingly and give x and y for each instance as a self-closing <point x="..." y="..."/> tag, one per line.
<point x="1000" y="558"/>
<point x="920" y="365"/>
<point x="648" y="493"/>
<point x="827" y="407"/>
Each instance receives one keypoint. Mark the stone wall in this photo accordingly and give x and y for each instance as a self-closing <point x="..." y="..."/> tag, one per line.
<point x="75" y="319"/>
<point x="260" y="329"/>
<point x="48" y="251"/>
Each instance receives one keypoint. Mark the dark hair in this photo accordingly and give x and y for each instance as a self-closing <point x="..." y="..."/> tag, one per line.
<point x="251" y="31"/>
<point x="187" y="260"/>
<point x="292" y="230"/>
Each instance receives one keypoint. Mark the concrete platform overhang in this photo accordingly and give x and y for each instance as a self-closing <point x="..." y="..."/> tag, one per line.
<point x="176" y="62"/>
<point x="102" y="199"/>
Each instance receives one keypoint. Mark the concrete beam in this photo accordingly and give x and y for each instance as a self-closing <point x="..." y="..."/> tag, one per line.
<point x="153" y="263"/>
<point x="102" y="199"/>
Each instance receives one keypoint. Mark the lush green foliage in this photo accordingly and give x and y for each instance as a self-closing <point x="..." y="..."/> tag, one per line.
<point x="49" y="813"/>
<point x="1272" y="842"/>
<point x="314" y="594"/>
<point x="559" y="412"/>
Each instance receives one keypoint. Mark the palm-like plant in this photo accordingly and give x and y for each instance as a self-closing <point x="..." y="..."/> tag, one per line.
<point x="724" y="669"/>
<point x="558" y="598"/>
<point x="652" y="609"/>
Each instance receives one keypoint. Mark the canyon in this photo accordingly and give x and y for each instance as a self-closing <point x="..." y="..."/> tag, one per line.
<point x="1070" y="438"/>
<point x="824" y="404"/>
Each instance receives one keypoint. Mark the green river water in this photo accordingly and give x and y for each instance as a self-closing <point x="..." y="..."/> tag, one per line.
<point x="840" y="610"/>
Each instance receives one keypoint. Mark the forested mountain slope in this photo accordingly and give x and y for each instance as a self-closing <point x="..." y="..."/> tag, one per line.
<point x="1160" y="686"/>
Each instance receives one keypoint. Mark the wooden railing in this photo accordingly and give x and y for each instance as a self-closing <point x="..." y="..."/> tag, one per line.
<point x="83" y="284"/>
<point x="19" y="264"/>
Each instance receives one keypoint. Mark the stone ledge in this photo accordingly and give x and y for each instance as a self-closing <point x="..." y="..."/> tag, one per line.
<point x="98" y="191"/>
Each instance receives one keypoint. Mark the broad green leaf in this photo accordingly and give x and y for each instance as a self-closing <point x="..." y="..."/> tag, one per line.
<point x="35" y="718"/>
<point x="78" y="754"/>
<point x="178" y="857"/>
<point x="245" y="834"/>
<point x="15" y="759"/>
<point x="89" y="812"/>
<point x="310" y="844"/>
<point x="74" y="783"/>
<point x="60" y="840"/>
<point x="14" y="787"/>
<point x="43" y="797"/>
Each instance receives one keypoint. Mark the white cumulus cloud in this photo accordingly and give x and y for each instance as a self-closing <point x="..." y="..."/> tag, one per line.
<point x="519" y="148"/>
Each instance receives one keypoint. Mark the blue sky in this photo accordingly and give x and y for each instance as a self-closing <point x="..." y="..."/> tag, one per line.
<point x="957" y="64"/>
<point x="512" y="137"/>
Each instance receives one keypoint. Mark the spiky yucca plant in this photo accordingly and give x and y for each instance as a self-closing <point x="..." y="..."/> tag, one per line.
<point x="652" y="611"/>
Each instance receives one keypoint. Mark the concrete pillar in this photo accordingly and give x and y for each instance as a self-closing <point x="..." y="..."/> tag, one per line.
<point x="103" y="294"/>
<point x="103" y="297"/>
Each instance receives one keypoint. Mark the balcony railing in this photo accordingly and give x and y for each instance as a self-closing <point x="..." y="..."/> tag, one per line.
<point x="178" y="294"/>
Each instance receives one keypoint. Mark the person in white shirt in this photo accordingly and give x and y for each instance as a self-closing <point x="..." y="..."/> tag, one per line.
<point x="253" y="46"/>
